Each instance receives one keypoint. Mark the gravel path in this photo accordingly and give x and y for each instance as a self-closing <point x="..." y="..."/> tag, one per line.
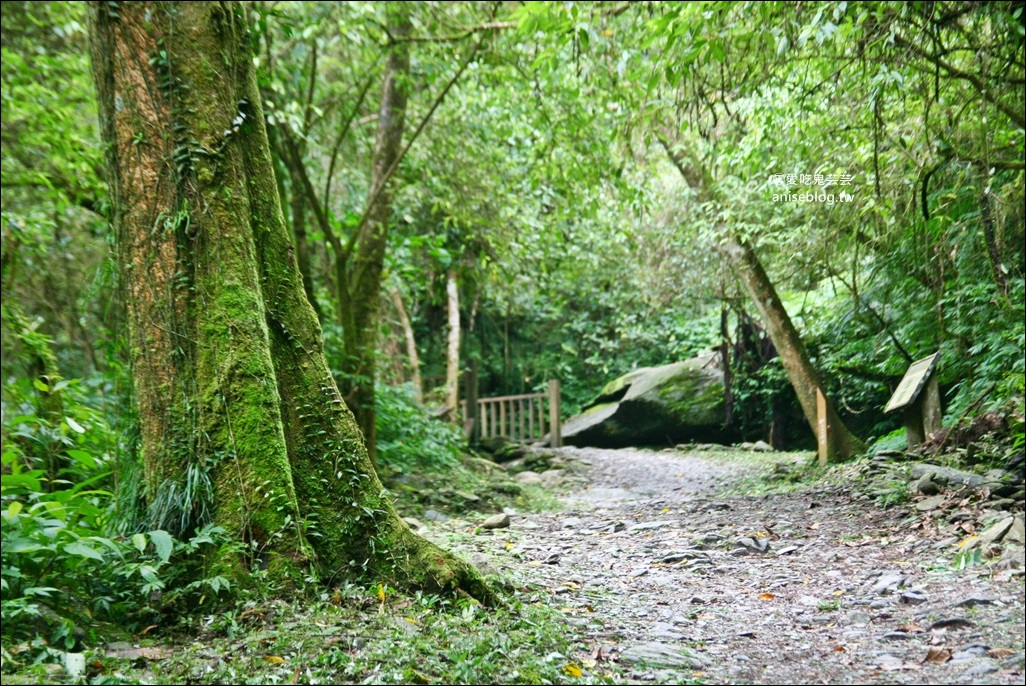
<point x="653" y="570"/>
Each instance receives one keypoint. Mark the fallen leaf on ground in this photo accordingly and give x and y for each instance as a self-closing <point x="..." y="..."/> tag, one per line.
<point x="766" y="596"/>
<point x="1000" y="652"/>
<point x="938" y="655"/>
<point x="572" y="670"/>
<point x="274" y="659"/>
<point x="911" y="628"/>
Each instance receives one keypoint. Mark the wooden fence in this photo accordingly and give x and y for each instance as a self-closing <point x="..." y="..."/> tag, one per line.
<point x="521" y="418"/>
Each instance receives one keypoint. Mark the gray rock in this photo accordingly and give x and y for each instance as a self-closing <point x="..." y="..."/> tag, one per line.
<point x="949" y="476"/>
<point x="886" y="661"/>
<point x="499" y="521"/>
<point x="648" y="526"/>
<point x="912" y="598"/>
<point x="435" y="516"/>
<point x="655" y="654"/>
<point x="1001" y="490"/>
<point x="970" y="652"/>
<point x="992" y="534"/>
<point x="679" y="556"/>
<point x="896" y="636"/>
<point x="931" y="503"/>
<point x="1017" y="532"/>
<point x="413" y="523"/>
<point x="982" y="668"/>
<point x="888" y="584"/>
<point x="927" y="486"/>
<point x="1014" y="557"/>
<point x="787" y="550"/>
<point x="1001" y="504"/>
<point x="552" y="478"/>
<point x="950" y="624"/>
<point x="571" y="523"/>
<point x="762" y="447"/>
<point x="974" y="600"/>
<point x="679" y="402"/>
<point x="753" y="545"/>
<point x="528" y="478"/>
<point x="483" y="563"/>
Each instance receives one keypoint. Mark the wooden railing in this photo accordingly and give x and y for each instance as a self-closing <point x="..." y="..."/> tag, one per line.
<point x="521" y="418"/>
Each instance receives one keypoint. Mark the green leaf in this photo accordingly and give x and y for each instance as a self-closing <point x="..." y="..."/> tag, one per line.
<point x="75" y="426"/>
<point x="139" y="541"/>
<point x="83" y="457"/>
<point x="82" y="550"/>
<point x="164" y="544"/>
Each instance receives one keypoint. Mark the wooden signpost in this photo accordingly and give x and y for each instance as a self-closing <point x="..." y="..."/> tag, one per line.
<point x="822" y="428"/>
<point x="919" y="395"/>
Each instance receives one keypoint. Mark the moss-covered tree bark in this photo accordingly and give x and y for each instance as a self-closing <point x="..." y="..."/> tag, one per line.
<point x="227" y="353"/>
<point x="359" y="268"/>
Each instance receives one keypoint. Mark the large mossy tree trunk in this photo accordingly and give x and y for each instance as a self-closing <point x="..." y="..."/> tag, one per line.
<point x="359" y="269"/>
<point x="227" y="352"/>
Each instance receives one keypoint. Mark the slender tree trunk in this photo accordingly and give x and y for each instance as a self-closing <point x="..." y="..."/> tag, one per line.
<point x="411" y="342"/>
<point x="227" y="353"/>
<point x="452" y="357"/>
<point x="360" y="274"/>
<point x="804" y="377"/>
<point x="298" y="202"/>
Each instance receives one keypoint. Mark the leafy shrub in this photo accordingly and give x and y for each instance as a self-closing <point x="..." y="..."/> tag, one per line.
<point x="409" y="439"/>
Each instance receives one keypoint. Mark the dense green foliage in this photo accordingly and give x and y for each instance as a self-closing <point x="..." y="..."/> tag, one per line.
<point x="541" y="175"/>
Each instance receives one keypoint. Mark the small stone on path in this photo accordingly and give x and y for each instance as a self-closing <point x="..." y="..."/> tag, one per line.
<point x="888" y="584"/>
<point x="435" y="516"/>
<point x="528" y="478"/>
<point x="661" y="655"/>
<point x="648" y="526"/>
<point x="751" y="545"/>
<point x="951" y="623"/>
<point x="499" y="521"/>
<point x="974" y="600"/>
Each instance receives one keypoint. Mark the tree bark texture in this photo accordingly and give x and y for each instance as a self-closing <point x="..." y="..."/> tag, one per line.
<point x="359" y="270"/>
<point x="227" y="353"/>
<point x="412" y="356"/>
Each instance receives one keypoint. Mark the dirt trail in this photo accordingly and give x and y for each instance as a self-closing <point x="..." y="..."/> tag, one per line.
<point x="654" y="571"/>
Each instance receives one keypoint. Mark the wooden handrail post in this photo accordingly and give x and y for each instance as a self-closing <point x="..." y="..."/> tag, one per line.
<point x="555" y="429"/>
<point x="470" y="415"/>
<point x="823" y="428"/>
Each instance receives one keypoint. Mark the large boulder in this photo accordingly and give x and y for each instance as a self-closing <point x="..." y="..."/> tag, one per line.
<point x="665" y="405"/>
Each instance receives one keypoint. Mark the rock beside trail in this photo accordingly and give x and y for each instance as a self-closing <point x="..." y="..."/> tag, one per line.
<point x="661" y="655"/>
<point x="677" y="402"/>
<point x="528" y="478"/>
<point x="499" y="521"/>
